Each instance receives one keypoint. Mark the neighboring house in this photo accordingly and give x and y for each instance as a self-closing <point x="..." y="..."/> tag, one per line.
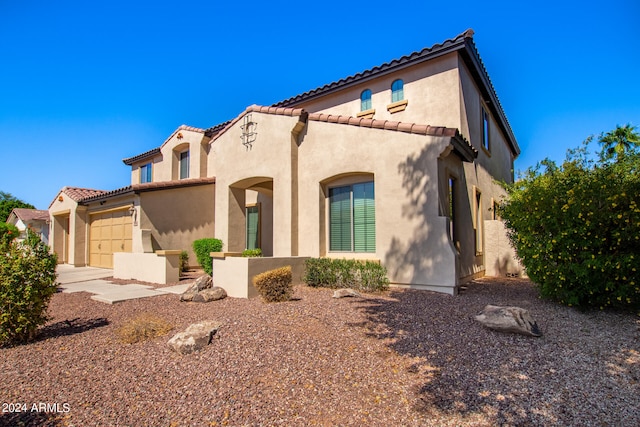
<point x="397" y="164"/>
<point x="34" y="219"/>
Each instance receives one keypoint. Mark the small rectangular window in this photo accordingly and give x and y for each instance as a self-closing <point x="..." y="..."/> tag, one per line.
<point x="452" y="208"/>
<point x="184" y="164"/>
<point x="485" y="129"/>
<point x="146" y="173"/>
<point x="253" y="227"/>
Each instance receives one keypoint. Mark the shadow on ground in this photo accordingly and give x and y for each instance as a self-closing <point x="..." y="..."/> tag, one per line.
<point x="71" y="327"/>
<point x="464" y="369"/>
<point x="29" y="419"/>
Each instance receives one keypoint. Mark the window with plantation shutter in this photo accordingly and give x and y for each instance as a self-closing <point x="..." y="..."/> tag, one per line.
<point x="352" y="219"/>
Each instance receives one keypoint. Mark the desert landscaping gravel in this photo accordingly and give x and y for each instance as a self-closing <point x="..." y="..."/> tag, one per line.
<point x="402" y="358"/>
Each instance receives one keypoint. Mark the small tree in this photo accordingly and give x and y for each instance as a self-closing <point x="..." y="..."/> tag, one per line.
<point x="576" y="227"/>
<point x="27" y="283"/>
<point x="9" y="203"/>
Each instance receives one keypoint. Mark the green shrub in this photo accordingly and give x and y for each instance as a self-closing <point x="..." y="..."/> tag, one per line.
<point x="576" y="229"/>
<point x="202" y="249"/>
<point x="27" y="283"/>
<point x="184" y="262"/>
<point x="275" y="285"/>
<point x="367" y="276"/>
<point x="143" y="327"/>
<point x="8" y="232"/>
<point x="249" y="253"/>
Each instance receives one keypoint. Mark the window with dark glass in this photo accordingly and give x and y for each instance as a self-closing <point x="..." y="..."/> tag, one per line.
<point x="352" y="219"/>
<point x="365" y="100"/>
<point x="184" y="164"/>
<point x="397" y="91"/>
<point x="485" y="129"/>
<point x="146" y="173"/>
<point x="253" y="227"/>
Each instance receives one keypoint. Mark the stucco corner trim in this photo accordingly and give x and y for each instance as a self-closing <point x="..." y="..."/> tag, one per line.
<point x="396" y="107"/>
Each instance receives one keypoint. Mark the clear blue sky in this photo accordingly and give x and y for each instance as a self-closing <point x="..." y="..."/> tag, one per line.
<point x="84" y="84"/>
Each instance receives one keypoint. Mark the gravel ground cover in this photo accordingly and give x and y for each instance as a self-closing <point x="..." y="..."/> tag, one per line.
<point x="403" y="358"/>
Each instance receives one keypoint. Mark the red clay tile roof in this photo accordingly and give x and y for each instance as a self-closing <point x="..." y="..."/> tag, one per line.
<point x="463" y="143"/>
<point x="31" y="214"/>
<point x="77" y="194"/>
<point x="463" y="43"/>
<point x="150" y="186"/>
<point x="151" y="153"/>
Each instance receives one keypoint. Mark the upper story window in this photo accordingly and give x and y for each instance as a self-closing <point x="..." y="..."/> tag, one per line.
<point x="485" y="129"/>
<point x="365" y="100"/>
<point x="146" y="173"/>
<point x="184" y="164"/>
<point x="397" y="91"/>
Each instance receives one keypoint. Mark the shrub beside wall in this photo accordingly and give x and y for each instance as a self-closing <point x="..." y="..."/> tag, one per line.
<point x="27" y="283"/>
<point x="252" y="253"/>
<point x="202" y="249"/>
<point x="367" y="276"/>
<point x="275" y="285"/>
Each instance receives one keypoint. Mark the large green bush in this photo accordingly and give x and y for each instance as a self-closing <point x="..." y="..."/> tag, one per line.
<point x="202" y="249"/>
<point x="27" y="283"/>
<point x="576" y="228"/>
<point x="367" y="276"/>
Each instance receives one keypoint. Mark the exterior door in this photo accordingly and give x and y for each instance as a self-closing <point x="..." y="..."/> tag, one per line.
<point x="109" y="232"/>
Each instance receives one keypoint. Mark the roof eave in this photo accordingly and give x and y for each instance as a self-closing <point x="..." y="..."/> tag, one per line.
<point x="471" y="58"/>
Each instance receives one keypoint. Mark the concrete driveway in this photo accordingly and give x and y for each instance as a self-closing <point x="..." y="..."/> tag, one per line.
<point x="93" y="280"/>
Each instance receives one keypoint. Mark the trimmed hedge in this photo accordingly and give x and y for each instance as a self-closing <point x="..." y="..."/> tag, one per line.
<point x="367" y="276"/>
<point x="202" y="249"/>
<point x="27" y="283"/>
<point x="252" y="253"/>
<point x="275" y="285"/>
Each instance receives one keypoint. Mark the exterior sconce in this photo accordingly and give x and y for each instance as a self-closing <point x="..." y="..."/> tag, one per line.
<point x="134" y="214"/>
<point x="249" y="132"/>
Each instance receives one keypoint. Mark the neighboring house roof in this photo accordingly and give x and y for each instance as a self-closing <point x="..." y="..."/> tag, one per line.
<point x="149" y="186"/>
<point x="25" y="214"/>
<point x="151" y="153"/>
<point x="463" y="43"/>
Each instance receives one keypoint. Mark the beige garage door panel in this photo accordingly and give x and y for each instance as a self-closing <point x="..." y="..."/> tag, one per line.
<point x="109" y="232"/>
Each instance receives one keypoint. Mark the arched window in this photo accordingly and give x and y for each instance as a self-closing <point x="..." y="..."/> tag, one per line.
<point x="397" y="91"/>
<point x="365" y="100"/>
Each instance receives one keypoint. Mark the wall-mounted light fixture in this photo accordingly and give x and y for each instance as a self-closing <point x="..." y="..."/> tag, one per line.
<point x="134" y="213"/>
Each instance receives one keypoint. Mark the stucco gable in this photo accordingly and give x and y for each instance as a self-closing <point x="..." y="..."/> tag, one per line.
<point x="156" y="151"/>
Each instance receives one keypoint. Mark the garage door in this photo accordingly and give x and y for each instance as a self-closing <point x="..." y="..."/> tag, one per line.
<point x="109" y="232"/>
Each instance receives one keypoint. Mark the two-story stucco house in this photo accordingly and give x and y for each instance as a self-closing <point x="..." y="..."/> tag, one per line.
<point x="397" y="163"/>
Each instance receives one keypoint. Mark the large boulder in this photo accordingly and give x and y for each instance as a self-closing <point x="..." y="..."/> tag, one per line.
<point x="203" y="282"/>
<point x="345" y="292"/>
<point x="194" y="338"/>
<point x="211" y="294"/>
<point x="509" y="319"/>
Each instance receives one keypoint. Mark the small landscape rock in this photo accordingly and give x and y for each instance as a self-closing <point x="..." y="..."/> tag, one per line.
<point x="509" y="319"/>
<point x="346" y="292"/>
<point x="203" y="282"/>
<point x="195" y="337"/>
<point x="212" y="294"/>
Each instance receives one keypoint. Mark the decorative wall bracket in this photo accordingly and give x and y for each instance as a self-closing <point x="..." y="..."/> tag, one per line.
<point x="249" y="132"/>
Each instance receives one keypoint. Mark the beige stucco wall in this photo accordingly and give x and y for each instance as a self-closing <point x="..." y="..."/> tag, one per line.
<point x="68" y="237"/>
<point x="411" y="236"/>
<point x="267" y="163"/>
<point x="431" y="90"/>
<point x="177" y="217"/>
<point x="166" y="164"/>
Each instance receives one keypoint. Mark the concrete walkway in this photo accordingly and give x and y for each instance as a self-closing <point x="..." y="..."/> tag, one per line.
<point x="90" y="279"/>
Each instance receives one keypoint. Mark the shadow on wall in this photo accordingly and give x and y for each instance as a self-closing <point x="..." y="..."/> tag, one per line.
<point x="483" y="377"/>
<point x="413" y="260"/>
